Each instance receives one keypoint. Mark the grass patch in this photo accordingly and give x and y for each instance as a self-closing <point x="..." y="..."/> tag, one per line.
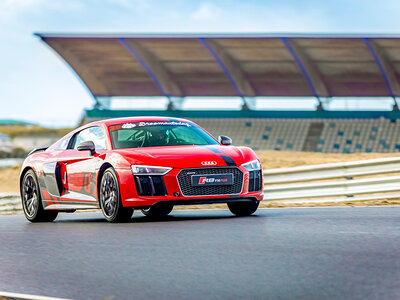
<point x="18" y="130"/>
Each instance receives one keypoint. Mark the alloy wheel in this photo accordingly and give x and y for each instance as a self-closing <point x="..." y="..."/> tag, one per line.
<point x="109" y="194"/>
<point x="30" y="196"/>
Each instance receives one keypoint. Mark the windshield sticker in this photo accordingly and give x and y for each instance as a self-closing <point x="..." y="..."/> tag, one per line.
<point x="128" y="125"/>
<point x="146" y="124"/>
<point x="116" y="127"/>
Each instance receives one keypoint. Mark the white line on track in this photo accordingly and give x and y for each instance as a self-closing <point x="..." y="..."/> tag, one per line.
<point x="16" y="296"/>
<point x="324" y="207"/>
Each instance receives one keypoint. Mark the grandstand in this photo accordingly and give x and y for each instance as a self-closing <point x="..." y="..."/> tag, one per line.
<point x="337" y="135"/>
<point x="321" y="135"/>
<point x="250" y="67"/>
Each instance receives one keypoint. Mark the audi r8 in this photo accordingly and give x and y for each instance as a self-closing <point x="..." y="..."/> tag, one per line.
<point x="146" y="163"/>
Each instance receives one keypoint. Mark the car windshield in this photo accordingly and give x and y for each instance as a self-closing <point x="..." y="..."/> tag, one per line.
<point x="160" y="133"/>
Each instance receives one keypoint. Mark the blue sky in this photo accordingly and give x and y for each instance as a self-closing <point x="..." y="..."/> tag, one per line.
<point x="35" y="85"/>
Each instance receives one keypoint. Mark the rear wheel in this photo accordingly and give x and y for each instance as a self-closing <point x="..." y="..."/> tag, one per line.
<point x="110" y="199"/>
<point x="243" y="208"/>
<point x="158" y="210"/>
<point x="32" y="201"/>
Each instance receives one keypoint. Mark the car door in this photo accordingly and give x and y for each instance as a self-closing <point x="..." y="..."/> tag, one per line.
<point x="80" y="167"/>
<point x="53" y="171"/>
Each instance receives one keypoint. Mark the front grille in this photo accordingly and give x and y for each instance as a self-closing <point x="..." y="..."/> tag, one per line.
<point x="255" y="181"/>
<point x="185" y="183"/>
<point x="150" y="185"/>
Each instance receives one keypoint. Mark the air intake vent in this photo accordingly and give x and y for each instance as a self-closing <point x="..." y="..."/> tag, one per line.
<point x="184" y="179"/>
<point x="151" y="185"/>
<point x="255" y="181"/>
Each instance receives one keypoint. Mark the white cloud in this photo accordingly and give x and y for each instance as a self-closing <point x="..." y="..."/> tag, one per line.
<point x="136" y="5"/>
<point x="11" y="7"/>
<point x="205" y="12"/>
<point x="125" y="3"/>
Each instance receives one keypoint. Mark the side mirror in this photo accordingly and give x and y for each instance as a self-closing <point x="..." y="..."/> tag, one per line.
<point x="88" y="145"/>
<point x="224" y="140"/>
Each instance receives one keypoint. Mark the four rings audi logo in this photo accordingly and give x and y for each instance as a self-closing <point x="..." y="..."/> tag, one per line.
<point x="209" y="163"/>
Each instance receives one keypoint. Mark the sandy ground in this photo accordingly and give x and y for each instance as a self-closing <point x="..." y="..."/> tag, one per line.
<point x="284" y="159"/>
<point x="9" y="177"/>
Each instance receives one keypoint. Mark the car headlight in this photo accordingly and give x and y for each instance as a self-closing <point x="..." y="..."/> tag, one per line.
<point x="252" y="165"/>
<point x="149" y="170"/>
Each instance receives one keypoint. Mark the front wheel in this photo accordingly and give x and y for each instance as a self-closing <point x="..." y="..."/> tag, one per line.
<point x="32" y="201"/>
<point x="243" y="208"/>
<point x="110" y="199"/>
<point x="158" y="210"/>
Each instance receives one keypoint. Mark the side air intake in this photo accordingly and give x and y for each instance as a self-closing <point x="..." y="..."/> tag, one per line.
<point x="255" y="181"/>
<point x="150" y="185"/>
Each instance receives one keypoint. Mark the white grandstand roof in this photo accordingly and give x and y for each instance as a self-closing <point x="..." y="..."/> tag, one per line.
<point x="245" y="65"/>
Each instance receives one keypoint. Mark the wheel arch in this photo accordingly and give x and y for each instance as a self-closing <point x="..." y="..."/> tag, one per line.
<point x="23" y="172"/>
<point x="102" y="169"/>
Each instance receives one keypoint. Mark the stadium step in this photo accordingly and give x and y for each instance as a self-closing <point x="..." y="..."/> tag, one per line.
<point x="313" y="136"/>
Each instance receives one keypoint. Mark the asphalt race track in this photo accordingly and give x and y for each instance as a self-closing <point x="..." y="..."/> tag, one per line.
<point x="297" y="253"/>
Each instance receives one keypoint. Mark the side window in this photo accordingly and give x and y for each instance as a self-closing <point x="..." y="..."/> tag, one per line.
<point x="94" y="134"/>
<point x="63" y="144"/>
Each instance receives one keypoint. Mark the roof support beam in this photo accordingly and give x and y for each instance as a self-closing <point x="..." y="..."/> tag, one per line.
<point x="231" y="69"/>
<point x="176" y="103"/>
<point x="385" y="68"/>
<point x="308" y="69"/>
<point x="153" y="67"/>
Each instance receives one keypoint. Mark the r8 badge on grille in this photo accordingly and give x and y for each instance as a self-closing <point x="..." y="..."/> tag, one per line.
<point x="209" y="163"/>
<point x="214" y="179"/>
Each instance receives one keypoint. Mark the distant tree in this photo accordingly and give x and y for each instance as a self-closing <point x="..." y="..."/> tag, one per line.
<point x="18" y="152"/>
<point x="4" y="154"/>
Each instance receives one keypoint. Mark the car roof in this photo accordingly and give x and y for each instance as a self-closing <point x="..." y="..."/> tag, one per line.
<point x="116" y="121"/>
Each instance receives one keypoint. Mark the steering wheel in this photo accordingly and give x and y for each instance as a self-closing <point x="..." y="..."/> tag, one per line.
<point x="145" y="141"/>
<point x="180" y="141"/>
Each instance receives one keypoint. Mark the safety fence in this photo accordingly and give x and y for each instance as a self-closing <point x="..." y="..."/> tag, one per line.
<point x="10" y="203"/>
<point x="358" y="180"/>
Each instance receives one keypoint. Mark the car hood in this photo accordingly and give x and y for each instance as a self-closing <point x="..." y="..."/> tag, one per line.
<point x="184" y="156"/>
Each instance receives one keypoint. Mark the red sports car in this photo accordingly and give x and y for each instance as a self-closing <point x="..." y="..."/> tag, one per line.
<point x="148" y="163"/>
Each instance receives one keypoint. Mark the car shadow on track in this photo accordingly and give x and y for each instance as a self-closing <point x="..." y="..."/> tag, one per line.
<point x="177" y="219"/>
<point x="170" y="218"/>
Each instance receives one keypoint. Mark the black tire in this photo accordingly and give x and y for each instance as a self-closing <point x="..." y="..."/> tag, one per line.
<point x="158" y="210"/>
<point x="32" y="200"/>
<point x="110" y="199"/>
<point x="243" y="208"/>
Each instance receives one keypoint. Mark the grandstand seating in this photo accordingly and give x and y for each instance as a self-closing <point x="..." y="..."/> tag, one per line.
<point x="321" y="135"/>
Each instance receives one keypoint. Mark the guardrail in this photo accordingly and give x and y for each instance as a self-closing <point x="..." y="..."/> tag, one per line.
<point x="10" y="203"/>
<point x="335" y="180"/>
<point x="320" y="183"/>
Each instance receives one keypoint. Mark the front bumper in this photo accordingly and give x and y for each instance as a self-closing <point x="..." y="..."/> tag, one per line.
<point x="130" y="197"/>
<point x="203" y="201"/>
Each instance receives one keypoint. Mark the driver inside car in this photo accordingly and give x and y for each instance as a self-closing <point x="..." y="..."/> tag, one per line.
<point x="159" y="137"/>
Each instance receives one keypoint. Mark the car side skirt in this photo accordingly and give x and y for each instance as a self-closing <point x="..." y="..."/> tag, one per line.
<point x="71" y="206"/>
<point x="74" y="206"/>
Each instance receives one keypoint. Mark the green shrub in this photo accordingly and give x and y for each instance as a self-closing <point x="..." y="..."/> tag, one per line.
<point x="18" y="152"/>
